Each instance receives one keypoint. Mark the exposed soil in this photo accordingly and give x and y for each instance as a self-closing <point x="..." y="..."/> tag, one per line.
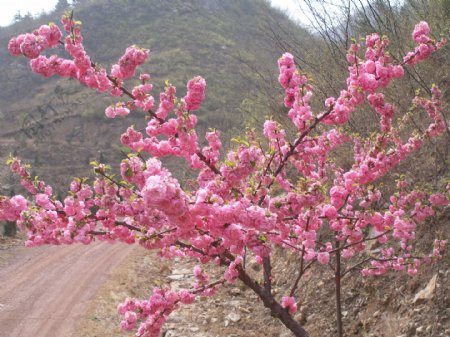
<point x="45" y="290"/>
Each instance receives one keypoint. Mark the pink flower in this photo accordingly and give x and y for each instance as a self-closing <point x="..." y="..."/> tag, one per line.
<point x="44" y="201"/>
<point x="132" y="58"/>
<point x="197" y="271"/>
<point x="30" y="46"/>
<point x="397" y="71"/>
<point x="186" y="297"/>
<point x="45" y="66"/>
<point x="118" y="109"/>
<point x="14" y="46"/>
<point x="438" y="199"/>
<point x="323" y="257"/>
<point x="195" y="94"/>
<point x="412" y="271"/>
<point x="420" y="29"/>
<point x="289" y="303"/>
<point x="329" y="212"/>
<point x="338" y="195"/>
<point x="144" y="77"/>
<point x="370" y="66"/>
<point x="51" y="34"/>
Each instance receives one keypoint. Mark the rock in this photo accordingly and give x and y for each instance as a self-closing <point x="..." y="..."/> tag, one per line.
<point x="376" y="314"/>
<point x="178" y="274"/>
<point x="310" y="317"/>
<point x="233" y="303"/>
<point x="420" y="329"/>
<point x="194" y="329"/>
<point x="245" y="310"/>
<point x="426" y="293"/>
<point x="402" y="335"/>
<point x="175" y="277"/>
<point x="234" y="317"/>
<point x="344" y="313"/>
<point x="175" y="317"/>
<point x="285" y="334"/>
<point x="301" y="316"/>
<point x="235" y="291"/>
<point x="181" y="271"/>
<point x="170" y="333"/>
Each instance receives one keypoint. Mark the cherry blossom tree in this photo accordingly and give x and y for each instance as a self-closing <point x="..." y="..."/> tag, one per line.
<point x="267" y="193"/>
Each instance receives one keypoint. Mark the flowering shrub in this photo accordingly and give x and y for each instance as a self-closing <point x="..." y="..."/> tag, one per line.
<point x="250" y="202"/>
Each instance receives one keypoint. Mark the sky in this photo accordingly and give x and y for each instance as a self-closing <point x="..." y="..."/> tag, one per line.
<point x="298" y="11"/>
<point x="10" y="7"/>
<point x="291" y="6"/>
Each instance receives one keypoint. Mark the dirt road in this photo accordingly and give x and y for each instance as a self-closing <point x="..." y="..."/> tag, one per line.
<point x="44" y="290"/>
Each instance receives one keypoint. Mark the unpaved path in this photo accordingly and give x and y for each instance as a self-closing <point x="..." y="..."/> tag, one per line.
<point x="45" y="290"/>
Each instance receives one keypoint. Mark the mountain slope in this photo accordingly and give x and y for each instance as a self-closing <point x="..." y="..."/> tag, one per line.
<point x="59" y="126"/>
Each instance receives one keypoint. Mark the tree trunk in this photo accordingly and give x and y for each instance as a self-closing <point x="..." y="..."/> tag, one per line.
<point x="269" y="302"/>
<point x="337" y="281"/>
<point x="10" y="228"/>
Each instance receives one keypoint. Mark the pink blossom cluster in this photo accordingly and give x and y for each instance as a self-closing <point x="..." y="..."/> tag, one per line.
<point x="232" y="273"/>
<point x="297" y="92"/>
<point x="434" y="109"/>
<point x="426" y="45"/>
<point x="80" y="67"/>
<point x="180" y="138"/>
<point x="126" y="67"/>
<point x="402" y="225"/>
<point x="142" y="98"/>
<point x="32" y="45"/>
<point x="195" y="93"/>
<point x="163" y="193"/>
<point x="118" y="109"/>
<point x="289" y="303"/>
<point x="152" y="312"/>
<point x="289" y="78"/>
<point x="212" y="151"/>
<point x="11" y="208"/>
<point x="367" y="76"/>
<point x="166" y="102"/>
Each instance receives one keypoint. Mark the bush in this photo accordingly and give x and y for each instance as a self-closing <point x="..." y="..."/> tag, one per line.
<point x="267" y="192"/>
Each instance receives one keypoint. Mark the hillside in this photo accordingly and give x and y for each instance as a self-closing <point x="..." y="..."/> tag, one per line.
<point x="59" y="126"/>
